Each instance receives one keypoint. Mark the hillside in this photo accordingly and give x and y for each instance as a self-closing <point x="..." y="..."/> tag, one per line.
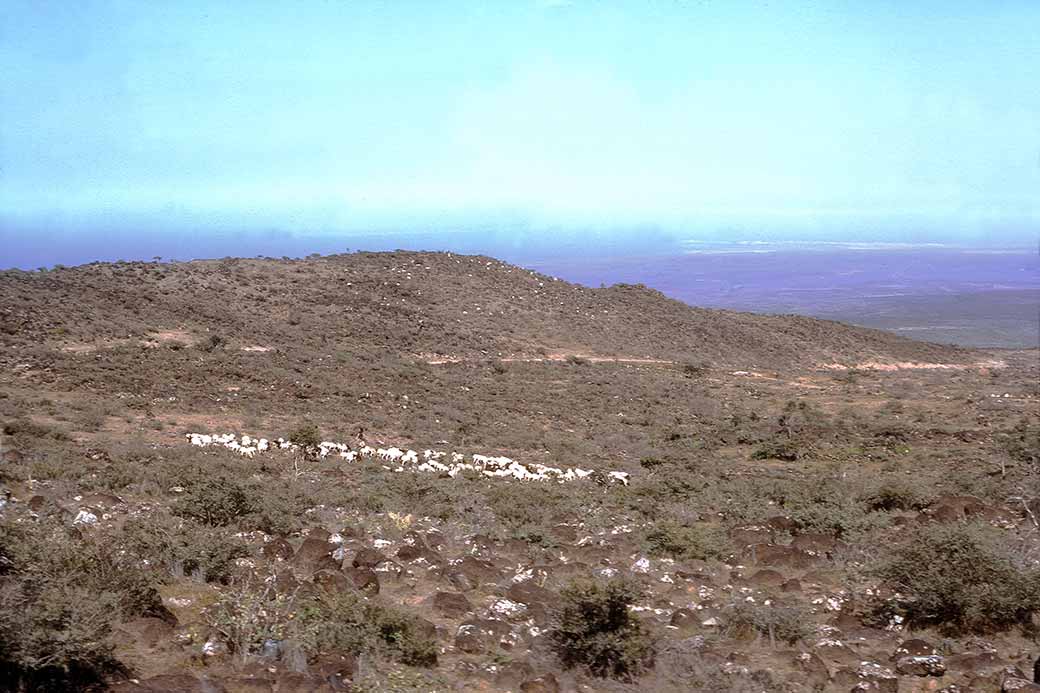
<point x="755" y="507"/>
<point x="434" y="304"/>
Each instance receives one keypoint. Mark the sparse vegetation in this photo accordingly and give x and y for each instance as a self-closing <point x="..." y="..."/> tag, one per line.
<point x="674" y="540"/>
<point x="890" y="493"/>
<point x="778" y="624"/>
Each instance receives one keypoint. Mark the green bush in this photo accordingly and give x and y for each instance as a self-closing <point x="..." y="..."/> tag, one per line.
<point x="59" y="596"/>
<point x="211" y="343"/>
<point x="824" y="504"/>
<point x="779" y="449"/>
<point x="1022" y="443"/>
<point x="678" y="541"/>
<point x="55" y="638"/>
<point x="593" y="628"/>
<point x="218" y="502"/>
<point x="175" y="547"/>
<point x="306" y="436"/>
<point x="695" y="370"/>
<point x="895" y="495"/>
<point x="277" y="507"/>
<point x="962" y="577"/>
<point x="351" y="623"/>
<point x="651" y="463"/>
<point x="50" y="555"/>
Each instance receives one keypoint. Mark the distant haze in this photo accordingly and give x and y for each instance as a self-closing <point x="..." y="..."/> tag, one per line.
<point x="534" y="120"/>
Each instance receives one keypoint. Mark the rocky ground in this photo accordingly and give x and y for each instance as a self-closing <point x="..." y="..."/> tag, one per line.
<point x="789" y="525"/>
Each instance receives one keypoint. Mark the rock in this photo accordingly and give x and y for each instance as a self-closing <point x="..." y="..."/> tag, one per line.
<point x="180" y="683"/>
<point x="538" y="600"/>
<point x="816" y="543"/>
<point x="249" y="684"/>
<point x="512" y="675"/>
<point x="564" y="533"/>
<point x="278" y="549"/>
<point x="335" y="669"/>
<point x="285" y="582"/>
<point x="12" y="456"/>
<point x="814" y="669"/>
<point x="780" y="556"/>
<point x="414" y="539"/>
<point x="743" y="537"/>
<point x="450" y="604"/>
<point x="409" y="554"/>
<point x="530" y="594"/>
<point x="319" y="533"/>
<point x="765" y="578"/>
<point x="333" y="581"/>
<point x="508" y="609"/>
<point x="149" y="630"/>
<point x="102" y="500"/>
<point x="368" y="558"/>
<point x="868" y="676"/>
<point x="460" y="581"/>
<point x="834" y="650"/>
<point x="480" y="635"/>
<point x="684" y="618"/>
<point x="315" y="553"/>
<point x="272" y="649"/>
<point x="976" y="663"/>
<point x="782" y="523"/>
<point x="364" y="579"/>
<point x="914" y="647"/>
<point x="921" y="665"/>
<point x="85" y="516"/>
<point x="469" y="573"/>
<point x="546" y="683"/>
<point x="214" y="647"/>
<point x="957" y="509"/>
<point x="303" y="683"/>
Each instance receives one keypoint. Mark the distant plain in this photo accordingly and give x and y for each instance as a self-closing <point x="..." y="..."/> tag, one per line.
<point x="975" y="297"/>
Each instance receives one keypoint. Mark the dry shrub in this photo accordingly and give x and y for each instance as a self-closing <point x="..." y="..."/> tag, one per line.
<point x="962" y="578"/>
<point x="679" y="541"/>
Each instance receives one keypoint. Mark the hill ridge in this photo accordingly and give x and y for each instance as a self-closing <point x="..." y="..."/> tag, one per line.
<point x="446" y="305"/>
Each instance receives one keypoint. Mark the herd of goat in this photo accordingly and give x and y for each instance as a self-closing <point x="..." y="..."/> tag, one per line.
<point x="434" y="461"/>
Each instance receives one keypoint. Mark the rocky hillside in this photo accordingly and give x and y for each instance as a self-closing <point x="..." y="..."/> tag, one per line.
<point x="433" y="305"/>
<point x="744" y="518"/>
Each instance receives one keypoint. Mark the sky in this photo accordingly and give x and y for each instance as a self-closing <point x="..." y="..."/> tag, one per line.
<point x="701" y="119"/>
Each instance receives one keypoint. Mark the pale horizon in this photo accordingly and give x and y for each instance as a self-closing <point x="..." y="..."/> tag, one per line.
<point x="734" y="121"/>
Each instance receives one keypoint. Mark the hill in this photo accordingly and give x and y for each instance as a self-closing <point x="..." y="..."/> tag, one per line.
<point x="435" y="304"/>
<point x="795" y="504"/>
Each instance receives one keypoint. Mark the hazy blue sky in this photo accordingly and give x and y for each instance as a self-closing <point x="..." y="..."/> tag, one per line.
<point x="848" y="119"/>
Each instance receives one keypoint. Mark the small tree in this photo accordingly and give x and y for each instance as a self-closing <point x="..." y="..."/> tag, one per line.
<point x="308" y="438"/>
<point x="594" y="628"/>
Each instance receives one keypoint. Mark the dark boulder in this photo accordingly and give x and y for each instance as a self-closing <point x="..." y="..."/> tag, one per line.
<point x="450" y="604"/>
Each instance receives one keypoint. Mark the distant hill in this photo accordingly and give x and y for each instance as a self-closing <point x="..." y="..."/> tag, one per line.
<point x="427" y="305"/>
